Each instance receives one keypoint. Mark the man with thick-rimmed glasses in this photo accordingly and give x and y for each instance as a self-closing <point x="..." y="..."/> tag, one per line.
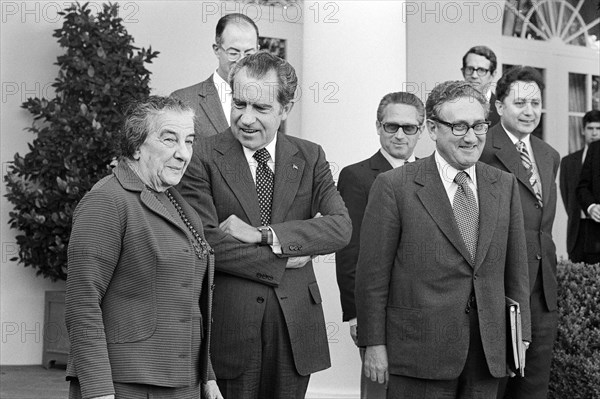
<point x="236" y="37"/>
<point x="399" y="121"/>
<point x="442" y="246"/>
<point x="479" y="68"/>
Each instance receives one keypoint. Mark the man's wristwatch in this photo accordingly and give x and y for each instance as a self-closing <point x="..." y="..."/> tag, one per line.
<point x="266" y="237"/>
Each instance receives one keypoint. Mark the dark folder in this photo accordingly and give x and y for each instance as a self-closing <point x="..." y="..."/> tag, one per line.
<point x="514" y="337"/>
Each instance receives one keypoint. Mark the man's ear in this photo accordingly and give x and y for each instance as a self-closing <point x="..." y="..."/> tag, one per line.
<point x="499" y="107"/>
<point x="215" y="48"/>
<point x="285" y="110"/>
<point x="377" y="126"/>
<point x="432" y="129"/>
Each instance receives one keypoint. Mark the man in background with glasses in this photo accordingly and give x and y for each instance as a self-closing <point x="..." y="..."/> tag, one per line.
<point x="442" y="245"/>
<point x="512" y="148"/>
<point x="400" y="117"/>
<point x="479" y="67"/>
<point x="236" y="37"/>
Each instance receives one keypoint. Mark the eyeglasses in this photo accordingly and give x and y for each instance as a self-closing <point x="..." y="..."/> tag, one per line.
<point x="460" y="129"/>
<point x="392" y="128"/>
<point x="468" y="71"/>
<point x="234" y="55"/>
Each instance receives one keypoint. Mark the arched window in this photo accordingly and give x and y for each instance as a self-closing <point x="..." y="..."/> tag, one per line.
<point x="561" y="38"/>
<point x="557" y="20"/>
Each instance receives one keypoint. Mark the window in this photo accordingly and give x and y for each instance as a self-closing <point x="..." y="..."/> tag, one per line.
<point x="584" y="95"/>
<point x="573" y="22"/>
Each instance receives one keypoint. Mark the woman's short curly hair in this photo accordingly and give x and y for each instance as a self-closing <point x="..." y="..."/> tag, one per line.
<point x="138" y="120"/>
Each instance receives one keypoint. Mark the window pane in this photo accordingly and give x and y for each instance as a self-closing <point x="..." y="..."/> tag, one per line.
<point x="575" y="141"/>
<point x="576" y="92"/>
<point x="595" y="92"/>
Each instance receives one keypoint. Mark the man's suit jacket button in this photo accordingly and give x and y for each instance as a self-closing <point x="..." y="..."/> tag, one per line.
<point x="538" y="256"/>
<point x="537" y="205"/>
<point x="260" y="299"/>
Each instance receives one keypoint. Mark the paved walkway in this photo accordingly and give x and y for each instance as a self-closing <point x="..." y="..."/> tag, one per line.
<point x="33" y="382"/>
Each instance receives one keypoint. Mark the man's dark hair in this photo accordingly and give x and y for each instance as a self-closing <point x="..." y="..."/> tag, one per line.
<point x="518" y="73"/>
<point x="591" y="116"/>
<point x="401" y="97"/>
<point x="484" y="52"/>
<point x="259" y="64"/>
<point x="234" y="18"/>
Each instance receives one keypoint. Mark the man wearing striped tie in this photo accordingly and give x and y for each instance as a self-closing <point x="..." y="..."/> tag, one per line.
<point x="511" y="147"/>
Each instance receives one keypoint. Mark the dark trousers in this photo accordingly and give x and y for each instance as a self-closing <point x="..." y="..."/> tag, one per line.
<point x="271" y="373"/>
<point x="539" y="355"/>
<point x="591" y="246"/>
<point x="474" y="382"/>
<point x="576" y="254"/>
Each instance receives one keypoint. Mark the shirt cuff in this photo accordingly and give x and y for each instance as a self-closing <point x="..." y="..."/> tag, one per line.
<point x="589" y="210"/>
<point x="353" y="322"/>
<point x="276" y="246"/>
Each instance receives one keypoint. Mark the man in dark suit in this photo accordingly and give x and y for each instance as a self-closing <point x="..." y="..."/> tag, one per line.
<point x="265" y="225"/>
<point x="442" y="245"/>
<point x="400" y="116"/>
<point x="511" y="147"/>
<point x="570" y="169"/>
<point x="479" y="67"/>
<point x="588" y="194"/>
<point x="236" y="37"/>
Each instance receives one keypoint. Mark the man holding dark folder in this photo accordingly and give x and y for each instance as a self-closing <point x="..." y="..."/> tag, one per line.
<point x="442" y="247"/>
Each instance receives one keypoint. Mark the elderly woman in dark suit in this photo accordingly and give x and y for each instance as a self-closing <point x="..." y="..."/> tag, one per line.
<point x="140" y="277"/>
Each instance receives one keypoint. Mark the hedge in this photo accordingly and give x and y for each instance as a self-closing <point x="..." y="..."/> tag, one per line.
<point x="575" y="371"/>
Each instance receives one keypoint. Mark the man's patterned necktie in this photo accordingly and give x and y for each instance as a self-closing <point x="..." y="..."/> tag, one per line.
<point x="534" y="177"/>
<point x="466" y="213"/>
<point x="264" y="185"/>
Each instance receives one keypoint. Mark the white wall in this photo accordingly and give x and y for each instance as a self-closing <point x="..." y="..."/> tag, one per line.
<point x="354" y="54"/>
<point x="28" y="52"/>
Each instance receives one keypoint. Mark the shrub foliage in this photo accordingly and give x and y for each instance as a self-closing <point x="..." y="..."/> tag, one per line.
<point x="575" y="370"/>
<point x="75" y="132"/>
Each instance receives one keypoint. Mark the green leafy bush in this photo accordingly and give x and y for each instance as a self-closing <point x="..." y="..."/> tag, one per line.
<point x="75" y="132"/>
<point x="575" y="370"/>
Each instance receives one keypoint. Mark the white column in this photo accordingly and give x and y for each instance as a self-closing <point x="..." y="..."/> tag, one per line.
<point x="353" y="54"/>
